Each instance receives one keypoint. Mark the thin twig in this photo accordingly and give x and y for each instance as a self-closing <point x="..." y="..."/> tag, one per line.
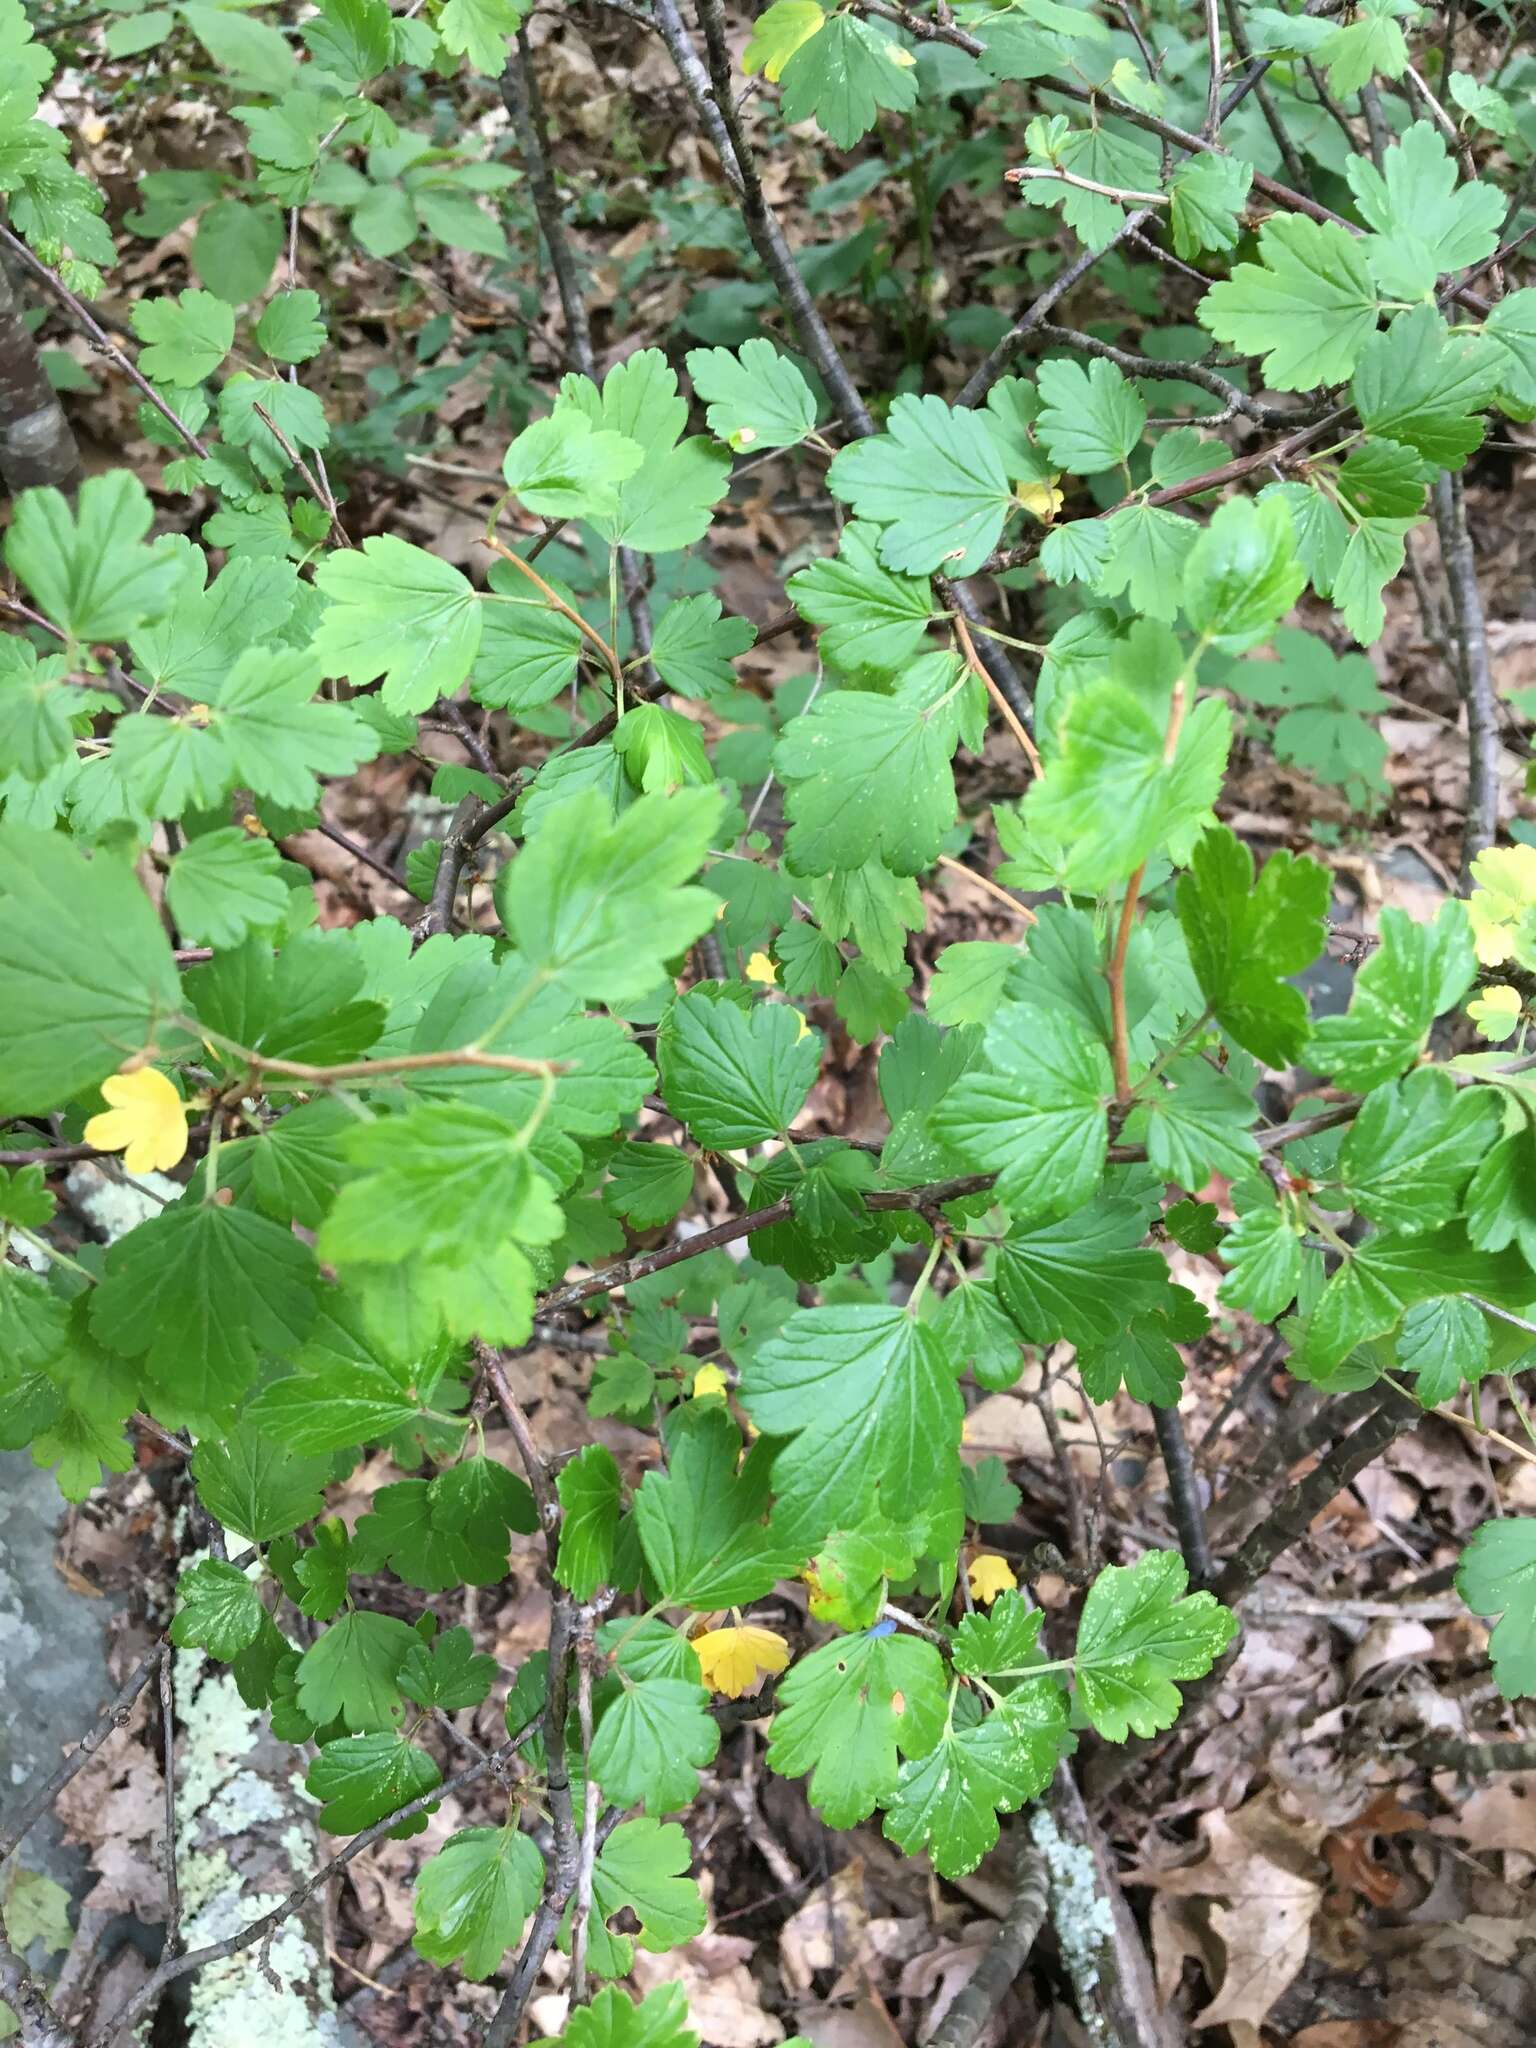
<point x="581" y="1912"/>
<point x="1474" y="673"/>
<point x="999" y="1969"/>
<point x="1184" y="1494"/>
<point x="978" y="668"/>
<point x="168" y="1745"/>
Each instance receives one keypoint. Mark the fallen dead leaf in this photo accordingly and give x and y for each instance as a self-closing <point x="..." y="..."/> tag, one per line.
<point x="723" y="2003"/>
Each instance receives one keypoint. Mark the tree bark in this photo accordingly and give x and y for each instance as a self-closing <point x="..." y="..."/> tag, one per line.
<point x="36" y="445"/>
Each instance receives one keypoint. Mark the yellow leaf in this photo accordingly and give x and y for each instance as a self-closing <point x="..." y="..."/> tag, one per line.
<point x="761" y="968"/>
<point x="147" y="1121"/>
<point x="1502" y="907"/>
<point x="1496" y="1011"/>
<point x="898" y="56"/>
<point x="709" y="1379"/>
<point x="735" y="1661"/>
<point x="778" y="32"/>
<point x="803" y="1032"/>
<point x="1042" y="499"/>
<point x="989" y="1575"/>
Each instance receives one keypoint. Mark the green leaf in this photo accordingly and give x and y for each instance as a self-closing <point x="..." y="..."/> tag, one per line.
<point x="756" y="398"/>
<point x="85" y="565"/>
<point x="647" y="1184"/>
<point x="1511" y="326"/>
<point x="1442" y="1342"/>
<point x="25" y="1197"/>
<point x="1081" y="1279"/>
<point x="843" y="76"/>
<point x="201" y="1291"/>
<point x="87" y="967"/>
<point x="597" y="904"/>
<point x="1417" y="972"/>
<point x="1497" y="1575"/>
<point x="947" y="1802"/>
<point x="1388" y="1273"/>
<point x="192" y="647"/>
<point x="643" y="1867"/>
<point x="351" y="40"/>
<point x="1326" y="701"/>
<point x="1424" y="226"/>
<point x="420" y="1171"/>
<point x="1146" y="547"/>
<point x="934" y="481"/>
<point x="589" y="1520"/>
<point x="397" y="612"/>
<point x="667" y="503"/>
<point x="1144" y="1357"/>
<point x="735" y="1077"/>
<point x="294" y="412"/>
<point x="562" y="467"/>
<point x="323" y="1570"/>
<point x="1208" y="195"/>
<point x="1091" y="418"/>
<point x="1501" y="1202"/>
<point x="1243" y="574"/>
<point x="224" y="883"/>
<point x="871" y="617"/>
<point x="298" y="1005"/>
<point x="362" y="1778"/>
<point x="1136" y="1635"/>
<point x="1246" y="940"/>
<point x="1308" y="306"/>
<point x="990" y="1496"/>
<point x="660" y="749"/>
<point x="253" y="52"/>
<point x="218" y="1609"/>
<point x="1038" y="1120"/>
<point x="651" y="1743"/>
<point x="423" y="1536"/>
<point x="1407" y="1157"/>
<point x="694" y="647"/>
<point x="1372" y="42"/>
<point x="1263" y="1249"/>
<point x="1423" y="387"/>
<point x="611" y="2021"/>
<point x="703" y="1526"/>
<point x="474" y="1896"/>
<point x="38" y="710"/>
<point x="236" y="246"/>
<point x="844" y="1713"/>
<point x="1110" y="796"/>
<point x="258" y="1489"/>
<point x="1195" y="1123"/>
<point x="778" y="32"/>
<point x="450" y="1674"/>
<point x="869" y="776"/>
<point x="185" y="338"/>
<point x="527" y="653"/>
<point x="968" y="981"/>
<point x="350" y="1672"/>
<point x="480" y="30"/>
<point x="291" y="328"/>
<point x="868" y="1396"/>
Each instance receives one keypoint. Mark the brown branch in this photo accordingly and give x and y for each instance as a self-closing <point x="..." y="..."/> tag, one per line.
<point x="1184" y="1494"/>
<point x="1474" y="673"/>
<point x="1000" y="1968"/>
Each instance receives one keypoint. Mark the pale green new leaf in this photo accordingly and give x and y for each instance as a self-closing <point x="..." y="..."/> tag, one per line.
<point x="481" y="30"/>
<point x="1421" y="386"/>
<point x="1443" y="1342"/>
<point x="87" y="968"/>
<point x="694" y="647"/>
<point x="224" y="883"/>
<point x="562" y="467"/>
<point x="397" y="612"/>
<point x="1425" y="223"/>
<point x="1407" y="1157"/>
<point x="1308" y="306"/>
<point x="870" y="617"/>
<point x="934" y="481"/>
<point x="1263" y="1249"/>
<point x="277" y="736"/>
<point x="1090" y="417"/>
<point x="1497" y="1575"/>
<point x="1243" y="574"/>
<point x="755" y="398"/>
<point x="644" y="1867"/>
<point x="185" y="339"/>
<point x="85" y="565"/>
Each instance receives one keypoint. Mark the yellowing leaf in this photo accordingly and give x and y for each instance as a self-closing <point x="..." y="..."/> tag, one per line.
<point x="735" y="1661"/>
<point x="147" y="1121"/>
<point x="778" y="32"/>
<point x="761" y="968"/>
<point x="1042" y="499"/>
<point x="709" y="1379"/>
<point x="1503" y="905"/>
<point x="1496" y="1012"/>
<point x="990" y="1575"/>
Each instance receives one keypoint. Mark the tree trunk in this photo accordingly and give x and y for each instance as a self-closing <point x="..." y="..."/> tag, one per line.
<point x="36" y="445"/>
